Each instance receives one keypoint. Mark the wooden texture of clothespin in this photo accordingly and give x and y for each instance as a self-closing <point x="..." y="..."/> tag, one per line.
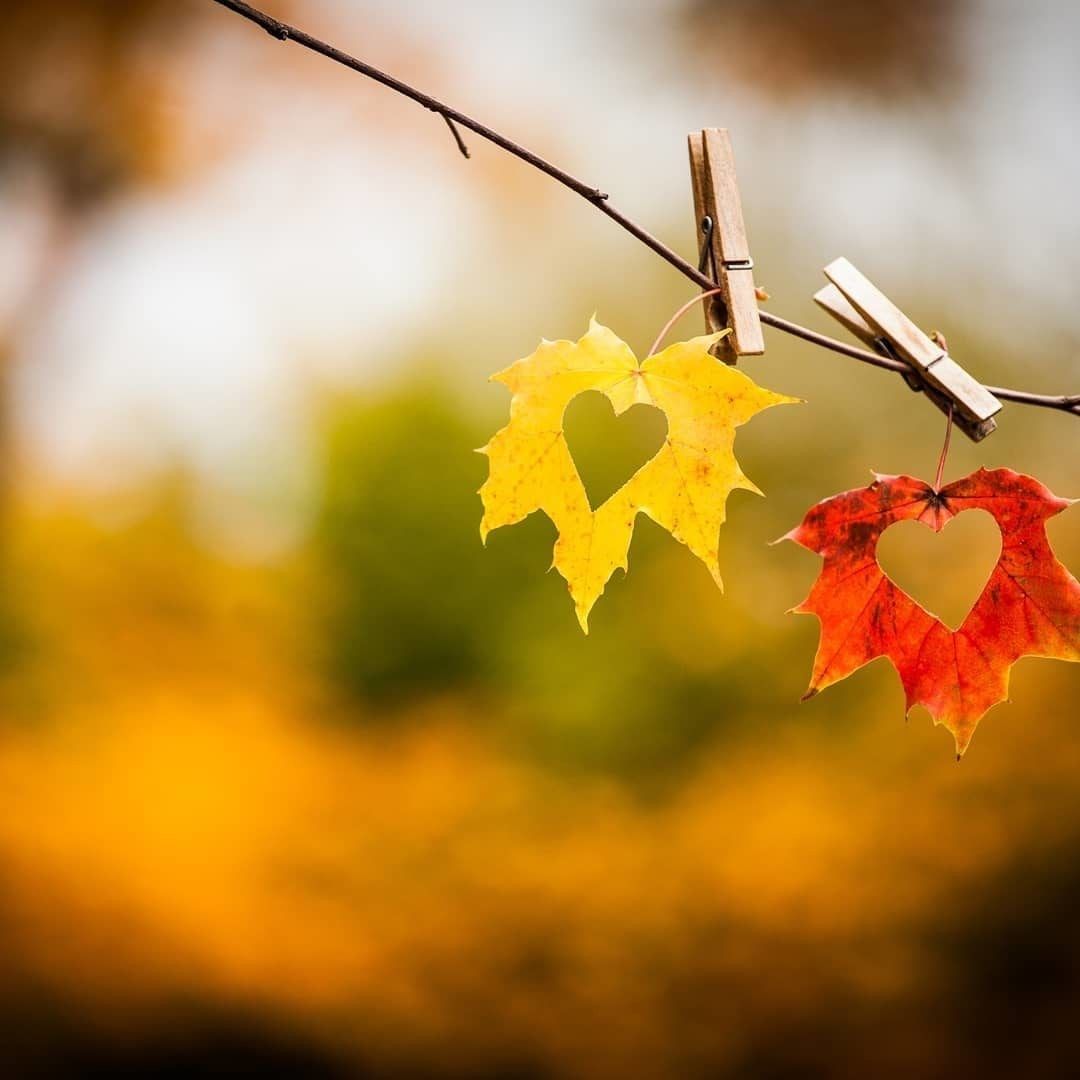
<point x="863" y="309"/>
<point x="722" y="245"/>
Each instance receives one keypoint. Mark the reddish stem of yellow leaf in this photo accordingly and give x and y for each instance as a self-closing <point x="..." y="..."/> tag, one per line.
<point x="679" y="314"/>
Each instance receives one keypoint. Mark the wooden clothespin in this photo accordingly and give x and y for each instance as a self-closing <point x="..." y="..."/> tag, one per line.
<point x="722" y="245"/>
<point x="855" y="302"/>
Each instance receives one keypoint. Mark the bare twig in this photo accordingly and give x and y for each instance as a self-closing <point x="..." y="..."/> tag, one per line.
<point x="457" y="135"/>
<point x="284" y="32"/>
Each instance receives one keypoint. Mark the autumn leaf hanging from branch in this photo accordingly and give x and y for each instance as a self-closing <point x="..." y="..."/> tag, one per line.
<point x="683" y="487"/>
<point x="1029" y="607"/>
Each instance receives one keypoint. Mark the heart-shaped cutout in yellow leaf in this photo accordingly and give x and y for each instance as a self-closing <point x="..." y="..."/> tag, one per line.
<point x="683" y="487"/>
<point x="607" y="449"/>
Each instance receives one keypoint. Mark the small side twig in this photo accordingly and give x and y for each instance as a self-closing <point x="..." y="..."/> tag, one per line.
<point x="457" y="135"/>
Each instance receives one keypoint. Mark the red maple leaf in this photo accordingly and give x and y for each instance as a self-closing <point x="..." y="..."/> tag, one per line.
<point x="1029" y="607"/>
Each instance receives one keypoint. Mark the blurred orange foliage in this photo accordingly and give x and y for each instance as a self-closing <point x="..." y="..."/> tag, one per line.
<point x="187" y="813"/>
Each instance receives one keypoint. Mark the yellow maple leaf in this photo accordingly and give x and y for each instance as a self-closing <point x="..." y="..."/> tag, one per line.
<point x="683" y="487"/>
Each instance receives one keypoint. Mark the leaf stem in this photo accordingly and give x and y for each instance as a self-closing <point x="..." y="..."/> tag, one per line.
<point x="944" y="450"/>
<point x="679" y="314"/>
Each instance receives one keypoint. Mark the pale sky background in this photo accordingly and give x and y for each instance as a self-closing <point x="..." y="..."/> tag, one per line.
<point x="343" y="225"/>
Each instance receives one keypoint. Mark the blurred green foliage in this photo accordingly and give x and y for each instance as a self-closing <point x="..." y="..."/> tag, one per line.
<point x="413" y="605"/>
<point x="412" y="596"/>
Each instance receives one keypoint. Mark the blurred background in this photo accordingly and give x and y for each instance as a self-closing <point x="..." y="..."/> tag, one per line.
<point x="297" y="777"/>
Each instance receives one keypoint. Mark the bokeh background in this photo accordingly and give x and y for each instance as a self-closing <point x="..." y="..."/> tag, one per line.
<point x="296" y="777"/>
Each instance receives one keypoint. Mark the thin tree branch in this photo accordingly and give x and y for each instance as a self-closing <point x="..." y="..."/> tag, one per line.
<point x="284" y="32"/>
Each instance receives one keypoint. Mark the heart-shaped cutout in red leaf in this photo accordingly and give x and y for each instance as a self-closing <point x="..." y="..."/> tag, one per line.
<point x="1029" y="607"/>
<point x="944" y="572"/>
